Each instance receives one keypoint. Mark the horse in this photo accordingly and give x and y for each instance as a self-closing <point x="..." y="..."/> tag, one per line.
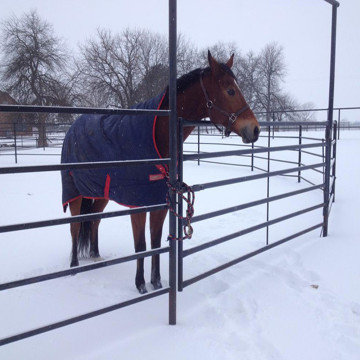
<point x="210" y="92"/>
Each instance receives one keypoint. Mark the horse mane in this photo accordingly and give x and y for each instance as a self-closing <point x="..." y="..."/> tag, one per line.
<point x="187" y="80"/>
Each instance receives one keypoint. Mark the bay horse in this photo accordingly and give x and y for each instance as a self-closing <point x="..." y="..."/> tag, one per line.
<point x="205" y="92"/>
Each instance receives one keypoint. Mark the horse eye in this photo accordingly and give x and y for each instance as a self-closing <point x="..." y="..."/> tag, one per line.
<point x="231" y="92"/>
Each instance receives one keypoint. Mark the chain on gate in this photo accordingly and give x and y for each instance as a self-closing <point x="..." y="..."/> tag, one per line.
<point x="187" y="194"/>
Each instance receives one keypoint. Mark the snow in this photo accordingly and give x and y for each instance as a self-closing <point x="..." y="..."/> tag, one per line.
<point x="300" y="300"/>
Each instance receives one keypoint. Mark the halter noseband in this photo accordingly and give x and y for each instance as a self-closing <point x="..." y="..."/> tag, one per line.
<point x="231" y="116"/>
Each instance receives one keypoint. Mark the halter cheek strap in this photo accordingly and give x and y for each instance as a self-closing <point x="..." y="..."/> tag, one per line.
<point x="231" y="116"/>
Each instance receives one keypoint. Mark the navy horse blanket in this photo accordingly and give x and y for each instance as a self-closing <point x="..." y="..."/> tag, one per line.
<point x="112" y="138"/>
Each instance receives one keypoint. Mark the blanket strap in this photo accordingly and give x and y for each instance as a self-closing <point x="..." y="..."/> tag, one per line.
<point x="187" y="194"/>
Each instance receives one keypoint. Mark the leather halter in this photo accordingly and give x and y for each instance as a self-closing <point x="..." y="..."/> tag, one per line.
<point x="231" y="116"/>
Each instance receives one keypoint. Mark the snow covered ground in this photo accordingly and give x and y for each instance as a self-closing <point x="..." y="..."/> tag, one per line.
<point x="298" y="301"/>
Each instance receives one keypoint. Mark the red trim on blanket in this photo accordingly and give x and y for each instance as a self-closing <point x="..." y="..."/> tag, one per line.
<point x="107" y="187"/>
<point x="65" y="205"/>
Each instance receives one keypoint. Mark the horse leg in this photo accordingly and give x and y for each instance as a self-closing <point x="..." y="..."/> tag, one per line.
<point x="98" y="206"/>
<point x="138" y="226"/>
<point x="156" y="225"/>
<point x="75" y="207"/>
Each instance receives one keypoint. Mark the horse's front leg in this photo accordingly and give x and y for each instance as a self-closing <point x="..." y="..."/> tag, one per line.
<point x="98" y="206"/>
<point x="156" y="225"/>
<point x="75" y="207"/>
<point x="138" y="226"/>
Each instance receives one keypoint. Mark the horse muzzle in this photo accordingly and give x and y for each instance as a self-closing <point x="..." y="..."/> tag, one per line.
<point x="250" y="134"/>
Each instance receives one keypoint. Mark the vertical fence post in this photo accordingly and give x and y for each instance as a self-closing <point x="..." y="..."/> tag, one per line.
<point x="44" y="136"/>
<point x="299" y="157"/>
<point x="336" y="129"/>
<point x="329" y="126"/>
<point x="180" y="205"/>
<point x="173" y="151"/>
<point x="198" y="129"/>
<point x="268" y="188"/>
<point x="252" y="157"/>
<point x="15" y="142"/>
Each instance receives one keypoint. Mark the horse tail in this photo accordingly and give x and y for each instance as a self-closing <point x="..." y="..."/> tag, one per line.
<point x="85" y="229"/>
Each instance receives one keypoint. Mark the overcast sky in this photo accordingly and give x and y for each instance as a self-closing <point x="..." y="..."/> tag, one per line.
<point x="302" y="27"/>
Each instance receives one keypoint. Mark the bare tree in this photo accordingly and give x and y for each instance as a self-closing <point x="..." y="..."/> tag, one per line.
<point x="126" y="68"/>
<point x="153" y="65"/>
<point x="32" y="57"/>
<point x="154" y="81"/>
<point x="188" y="57"/>
<point x="113" y="65"/>
<point x="306" y="113"/>
<point x="108" y="66"/>
<point x="152" y="51"/>
<point x="249" y="77"/>
<point x="283" y="108"/>
<point x="272" y="71"/>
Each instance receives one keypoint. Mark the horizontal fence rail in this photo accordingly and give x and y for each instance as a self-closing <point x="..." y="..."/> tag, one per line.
<point x="81" y="269"/>
<point x="79" y="218"/>
<point x="78" y="110"/>
<point x="251" y="151"/>
<point x="83" y="317"/>
<point x="79" y="166"/>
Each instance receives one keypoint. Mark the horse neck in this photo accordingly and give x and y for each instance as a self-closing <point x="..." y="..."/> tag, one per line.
<point x="190" y="105"/>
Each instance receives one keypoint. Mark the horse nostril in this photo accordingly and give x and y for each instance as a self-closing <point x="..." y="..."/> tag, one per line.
<point x="256" y="132"/>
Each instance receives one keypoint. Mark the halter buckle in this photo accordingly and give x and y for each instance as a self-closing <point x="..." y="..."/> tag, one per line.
<point x="209" y="104"/>
<point x="232" y="118"/>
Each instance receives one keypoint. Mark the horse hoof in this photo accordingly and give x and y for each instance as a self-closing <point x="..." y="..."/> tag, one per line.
<point x="142" y="289"/>
<point x="96" y="257"/>
<point x="156" y="284"/>
<point x="94" y="254"/>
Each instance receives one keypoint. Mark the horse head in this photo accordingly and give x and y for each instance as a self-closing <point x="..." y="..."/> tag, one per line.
<point x="225" y="103"/>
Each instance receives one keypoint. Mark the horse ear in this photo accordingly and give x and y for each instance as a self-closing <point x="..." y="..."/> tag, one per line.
<point x="209" y="57"/>
<point x="214" y="65"/>
<point x="230" y="61"/>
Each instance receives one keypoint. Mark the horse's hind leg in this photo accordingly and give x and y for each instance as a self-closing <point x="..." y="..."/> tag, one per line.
<point x="98" y="206"/>
<point x="75" y="207"/>
<point x="156" y="225"/>
<point x="138" y="225"/>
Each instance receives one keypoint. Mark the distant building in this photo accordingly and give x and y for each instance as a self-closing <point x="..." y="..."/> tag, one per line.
<point x="7" y="120"/>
